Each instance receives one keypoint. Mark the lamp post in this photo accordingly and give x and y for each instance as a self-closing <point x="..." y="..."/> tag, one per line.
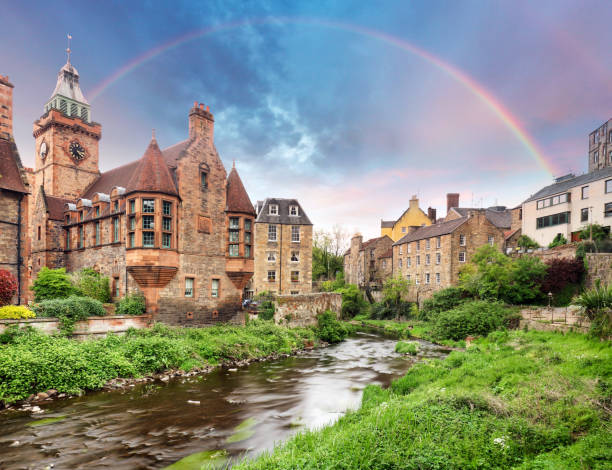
<point x="552" y="315"/>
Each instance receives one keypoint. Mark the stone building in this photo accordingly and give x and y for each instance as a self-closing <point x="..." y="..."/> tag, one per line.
<point x="600" y="147"/>
<point x="14" y="189"/>
<point x="172" y="224"/>
<point x="412" y="218"/>
<point x="367" y="264"/>
<point x="283" y="248"/>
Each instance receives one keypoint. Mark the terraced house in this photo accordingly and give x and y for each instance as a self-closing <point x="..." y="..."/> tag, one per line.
<point x="171" y="224"/>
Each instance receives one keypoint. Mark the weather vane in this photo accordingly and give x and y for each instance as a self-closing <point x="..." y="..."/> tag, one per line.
<point x="68" y="51"/>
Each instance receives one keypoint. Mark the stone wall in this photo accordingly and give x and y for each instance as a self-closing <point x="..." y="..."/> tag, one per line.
<point x="599" y="267"/>
<point x="302" y="310"/>
<point x="93" y="326"/>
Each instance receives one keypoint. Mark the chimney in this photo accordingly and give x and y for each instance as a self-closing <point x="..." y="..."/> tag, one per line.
<point x="6" y="108"/>
<point x="431" y="213"/>
<point x="201" y="122"/>
<point x="452" y="200"/>
<point x="414" y="202"/>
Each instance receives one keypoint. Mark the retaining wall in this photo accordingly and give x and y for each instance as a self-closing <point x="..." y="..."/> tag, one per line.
<point x="93" y="326"/>
<point x="599" y="267"/>
<point x="302" y="309"/>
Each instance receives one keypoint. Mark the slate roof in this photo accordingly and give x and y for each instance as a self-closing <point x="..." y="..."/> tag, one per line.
<point x="119" y="176"/>
<point x="55" y="206"/>
<point x="387" y="223"/>
<point x="237" y="198"/>
<point x="429" y="231"/>
<point x="152" y="173"/>
<point x="283" y="211"/>
<point x="568" y="184"/>
<point x="10" y="167"/>
<point x="68" y="84"/>
<point x="499" y="218"/>
<point x="371" y="241"/>
<point x="387" y="254"/>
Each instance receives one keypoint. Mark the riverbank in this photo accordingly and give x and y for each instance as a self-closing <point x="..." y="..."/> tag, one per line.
<point x="35" y="366"/>
<point x="527" y="400"/>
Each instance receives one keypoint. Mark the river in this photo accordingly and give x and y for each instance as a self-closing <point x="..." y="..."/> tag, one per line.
<point x="240" y="412"/>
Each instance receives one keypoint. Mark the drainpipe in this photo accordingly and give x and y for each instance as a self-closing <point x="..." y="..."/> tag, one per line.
<point x="280" y="269"/>
<point x="19" y="258"/>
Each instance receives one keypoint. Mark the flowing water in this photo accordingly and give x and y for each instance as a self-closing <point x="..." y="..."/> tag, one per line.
<point x="242" y="412"/>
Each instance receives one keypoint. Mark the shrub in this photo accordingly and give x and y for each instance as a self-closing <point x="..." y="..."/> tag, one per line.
<point x="329" y="329"/>
<point x="596" y="303"/>
<point x="352" y="300"/>
<point x="266" y="310"/>
<point x="69" y="311"/>
<point x="596" y="246"/>
<point x="335" y="285"/>
<point x="52" y="284"/>
<point x="15" y="312"/>
<point x="559" y="240"/>
<point x="403" y="347"/>
<point x="442" y="300"/>
<point x="527" y="242"/>
<point x="131" y="305"/>
<point x="562" y="279"/>
<point x="385" y="311"/>
<point x="92" y="284"/>
<point x="8" y="287"/>
<point x="594" y="232"/>
<point x="476" y="318"/>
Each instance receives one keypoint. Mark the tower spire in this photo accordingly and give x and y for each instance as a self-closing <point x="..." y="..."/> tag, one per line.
<point x="68" y="50"/>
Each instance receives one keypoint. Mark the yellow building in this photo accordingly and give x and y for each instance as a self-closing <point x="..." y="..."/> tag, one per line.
<point x="412" y="218"/>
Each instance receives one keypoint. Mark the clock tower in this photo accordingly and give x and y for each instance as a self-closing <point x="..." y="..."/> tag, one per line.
<point x="66" y="139"/>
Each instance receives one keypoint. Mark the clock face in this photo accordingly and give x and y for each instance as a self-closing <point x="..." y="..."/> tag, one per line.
<point x="77" y="152"/>
<point x="43" y="150"/>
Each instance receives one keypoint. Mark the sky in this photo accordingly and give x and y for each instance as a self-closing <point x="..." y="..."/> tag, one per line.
<point x="350" y="107"/>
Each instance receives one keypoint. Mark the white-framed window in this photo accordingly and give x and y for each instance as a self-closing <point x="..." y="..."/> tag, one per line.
<point x="273" y="209"/>
<point x="437" y="278"/>
<point x="461" y="240"/>
<point x="295" y="233"/>
<point x="403" y="229"/>
<point x="438" y="258"/>
<point x="214" y="288"/>
<point x="427" y="244"/>
<point x="427" y="259"/>
<point x="462" y="256"/>
<point x="271" y="276"/>
<point x="409" y="249"/>
<point x="608" y="186"/>
<point x="416" y="279"/>
<point x="295" y="276"/>
<point x="408" y="262"/>
<point x="418" y="245"/>
<point x="271" y="256"/>
<point x="491" y="240"/>
<point x="585" y="192"/>
<point x="400" y="249"/>
<point x="295" y="256"/>
<point x="188" y="287"/>
<point x="384" y="263"/>
<point x="271" y="233"/>
<point x="294" y="211"/>
<point x="438" y="242"/>
<point x="427" y="278"/>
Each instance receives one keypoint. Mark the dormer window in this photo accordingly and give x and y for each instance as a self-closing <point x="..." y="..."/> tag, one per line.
<point x="294" y="211"/>
<point x="273" y="209"/>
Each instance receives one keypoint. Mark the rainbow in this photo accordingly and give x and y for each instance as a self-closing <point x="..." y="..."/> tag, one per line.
<point x="478" y="90"/>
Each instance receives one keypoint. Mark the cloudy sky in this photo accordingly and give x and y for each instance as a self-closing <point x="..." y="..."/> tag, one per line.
<point x="352" y="107"/>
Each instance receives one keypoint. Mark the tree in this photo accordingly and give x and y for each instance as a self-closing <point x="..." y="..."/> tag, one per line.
<point x="91" y="283"/>
<point x="594" y="232"/>
<point x="52" y="284"/>
<point x="526" y="242"/>
<point x="8" y="287"/>
<point x="328" y="252"/>
<point x="395" y="289"/>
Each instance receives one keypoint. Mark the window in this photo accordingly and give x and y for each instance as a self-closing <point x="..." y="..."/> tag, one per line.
<point x="403" y="229"/>
<point x="148" y="205"/>
<point x="271" y="233"/>
<point x="214" y="289"/>
<point x="116" y="206"/>
<point x="418" y="260"/>
<point x="438" y="258"/>
<point x="427" y="278"/>
<point x="203" y="180"/>
<point x="427" y="244"/>
<point x="608" y="186"/>
<point x="437" y="278"/>
<point x="416" y="280"/>
<point x="584" y="214"/>
<point x="585" y="192"/>
<point x="188" y="287"/>
<point x="247" y="237"/>
<point x="132" y="239"/>
<point x="438" y="242"/>
<point x="295" y="276"/>
<point x="491" y="240"/>
<point x="148" y="239"/>
<point x="610" y="153"/>
<point x="132" y="206"/>
<point x="596" y="137"/>
<point x="554" y="200"/>
<point x="247" y="251"/>
<point x="400" y="249"/>
<point x="295" y="233"/>
<point x="295" y="256"/>
<point x="400" y="263"/>
<point x="295" y="292"/>
<point x="148" y="222"/>
<point x="116" y="292"/>
<point x="384" y="263"/>
<point x="427" y="259"/>
<point x="294" y="211"/>
<point x="67" y="218"/>
<point x="409" y="248"/>
<point x="132" y="223"/>
<point x="166" y="240"/>
<point x="247" y="225"/>
<point x="271" y="256"/>
<point x="81" y="236"/>
<point x="273" y="209"/>
<point x="97" y="211"/>
<point x="418" y="245"/>
<point x="462" y="256"/>
<point x="610" y="137"/>
<point x="551" y="220"/>
<point x="596" y="156"/>
<point x="167" y="208"/>
<point x="461" y="240"/>
<point x="97" y="233"/>
<point x="271" y="276"/>
<point x="115" y="229"/>
<point x="371" y="254"/>
<point x="608" y="209"/>
<point x="408" y="277"/>
<point x="39" y="232"/>
<point x="408" y="262"/>
<point x="68" y="239"/>
<point x="166" y="224"/>
<point x="233" y="251"/>
<point x="234" y="236"/>
<point x="234" y="222"/>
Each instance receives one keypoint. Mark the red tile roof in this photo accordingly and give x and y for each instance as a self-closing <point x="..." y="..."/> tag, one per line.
<point x="152" y="173"/>
<point x="55" y="206"/>
<point x="10" y="165"/>
<point x="172" y="153"/>
<point x="237" y="197"/>
<point x="119" y="176"/>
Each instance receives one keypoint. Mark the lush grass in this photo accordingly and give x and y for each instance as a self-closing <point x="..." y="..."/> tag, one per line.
<point x="403" y="347"/>
<point x="31" y="362"/>
<point x="528" y="400"/>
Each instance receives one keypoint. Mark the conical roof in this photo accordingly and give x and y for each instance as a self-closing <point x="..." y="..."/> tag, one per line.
<point x="68" y="84"/>
<point x="237" y="197"/>
<point x="152" y="174"/>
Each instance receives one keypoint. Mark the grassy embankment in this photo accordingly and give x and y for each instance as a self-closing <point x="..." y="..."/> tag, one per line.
<point x="524" y="400"/>
<point x="32" y="362"/>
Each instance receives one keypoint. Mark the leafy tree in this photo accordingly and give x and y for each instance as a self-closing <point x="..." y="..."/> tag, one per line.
<point x="352" y="300"/>
<point x="442" y="300"/>
<point x="52" y="284"/>
<point x="395" y="289"/>
<point x="92" y="284"/>
<point x="594" y="232"/>
<point x="526" y="242"/>
<point x="8" y="287"/>
<point x="328" y="253"/>
<point x="559" y="240"/>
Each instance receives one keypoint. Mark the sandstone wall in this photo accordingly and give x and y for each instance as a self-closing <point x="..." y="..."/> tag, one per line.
<point x="599" y="267"/>
<point x="302" y="310"/>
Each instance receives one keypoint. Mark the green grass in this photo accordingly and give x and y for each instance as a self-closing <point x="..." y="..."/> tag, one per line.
<point x="403" y="347"/>
<point x="524" y="400"/>
<point x="407" y="329"/>
<point x="31" y="362"/>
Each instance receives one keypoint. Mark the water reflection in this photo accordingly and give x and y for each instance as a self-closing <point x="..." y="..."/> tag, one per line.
<point x="151" y="426"/>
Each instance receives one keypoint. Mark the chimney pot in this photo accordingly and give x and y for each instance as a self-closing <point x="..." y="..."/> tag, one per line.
<point x="208" y="108"/>
<point x="195" y="104"/>
<point x="201" y="105"/>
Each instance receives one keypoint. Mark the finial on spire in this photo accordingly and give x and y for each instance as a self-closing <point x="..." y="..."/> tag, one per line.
<point x="234" y="164"/>
<point x="68" y="50"/>
<point x="153" y="134"/>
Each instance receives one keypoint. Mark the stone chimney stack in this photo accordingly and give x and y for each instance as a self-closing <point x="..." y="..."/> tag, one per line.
<point x="431" y="213"/>
<point x="201" y="122"/>
<point x="414" y="202"/>
<point x="452" y="200"/>
<point x="6" y="108"/>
